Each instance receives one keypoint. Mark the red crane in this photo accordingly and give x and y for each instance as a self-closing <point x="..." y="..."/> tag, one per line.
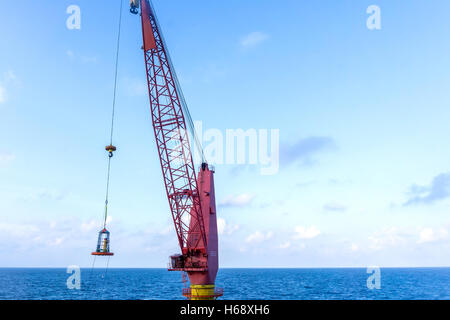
<point x="191" y="197"/>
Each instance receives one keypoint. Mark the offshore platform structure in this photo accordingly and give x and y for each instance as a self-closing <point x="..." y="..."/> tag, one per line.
<point x="191" y="197"/>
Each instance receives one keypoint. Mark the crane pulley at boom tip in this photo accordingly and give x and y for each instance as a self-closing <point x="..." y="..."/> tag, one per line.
<point x="134" y="6"/>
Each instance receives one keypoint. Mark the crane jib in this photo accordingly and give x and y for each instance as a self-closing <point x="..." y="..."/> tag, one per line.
<point x="191" y="197"/>
<point x="147" y="30"/>
<point x="172" y="140"/>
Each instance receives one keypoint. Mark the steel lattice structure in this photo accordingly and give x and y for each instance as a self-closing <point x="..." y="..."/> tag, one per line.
<point x="172" y="138"/>
<point x="191" y="197"/>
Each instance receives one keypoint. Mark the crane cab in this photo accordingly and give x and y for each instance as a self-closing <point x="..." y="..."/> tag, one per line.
<point x="176" y="261"/>
<point x="103" y="244"/>
<point x="134" y="6"/>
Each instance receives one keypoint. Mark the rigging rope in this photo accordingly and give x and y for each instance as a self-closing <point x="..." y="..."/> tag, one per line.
<point x="106" y="270"/>
<point x="90" y="273"/>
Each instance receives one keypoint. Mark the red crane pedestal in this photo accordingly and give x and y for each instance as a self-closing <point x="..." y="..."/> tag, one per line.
<point x="191" y="198"/>
<point x="202" y="266"/>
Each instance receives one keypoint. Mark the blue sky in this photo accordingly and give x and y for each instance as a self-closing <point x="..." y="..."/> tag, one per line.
<point x="363" y="116"/>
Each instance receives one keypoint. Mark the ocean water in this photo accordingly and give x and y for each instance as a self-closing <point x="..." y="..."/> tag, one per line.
<point x="238" y="284"/>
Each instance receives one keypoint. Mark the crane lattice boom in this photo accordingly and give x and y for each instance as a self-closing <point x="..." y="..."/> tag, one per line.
<point x="191" y="198"/>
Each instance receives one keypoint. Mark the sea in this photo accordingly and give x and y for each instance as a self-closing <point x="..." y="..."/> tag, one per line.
<point x="237" y="284"/>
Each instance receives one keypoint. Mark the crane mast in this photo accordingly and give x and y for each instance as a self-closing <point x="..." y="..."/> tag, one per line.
<point x="191" y="197"/>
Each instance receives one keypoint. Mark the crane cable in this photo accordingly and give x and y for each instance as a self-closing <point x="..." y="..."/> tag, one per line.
<point x="113" y="115"/>
<point x="111" y="148"/>
<point x="190" y="122"/>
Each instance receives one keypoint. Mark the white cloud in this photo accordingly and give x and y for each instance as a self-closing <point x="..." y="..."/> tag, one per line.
<point x="6" y="158"/>
<point x="2" y="94"/>
<point x="9" y="76"/>
<point x="285" y="245"/>
<point x="254" y="38"/>
<point x="395" y="237"/>
<point x="44" y="194"/>
<point x="221" y="224"/>
<point x="334" y="206"/>
<point x="167" y="230"/>
<point x="240" y="200"/>
<point x="56" y="242"/>
<point x="89" y="226"/>
<point x="7" y="80"/>
<point x="81" y="58"/>
<point x="18" y="230"/>
<point x="388" y="237"/>
<point x="70" y="54"/>
<point x="258" y="237"/>
<point x="32" y="243"/>
<point x="109" y="219"/>
<point x="430" y="235"/>
<point x="224" y="228"/>
<point x="306" y="233"/>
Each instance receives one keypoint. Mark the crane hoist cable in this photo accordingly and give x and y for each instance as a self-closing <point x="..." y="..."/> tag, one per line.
<point x="189" y="122"/>
<point x="111" y="148"/>
<point x="102" y="248"/>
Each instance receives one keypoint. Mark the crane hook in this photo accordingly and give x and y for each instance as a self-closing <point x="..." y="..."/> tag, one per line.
<point x="110" y="149"/>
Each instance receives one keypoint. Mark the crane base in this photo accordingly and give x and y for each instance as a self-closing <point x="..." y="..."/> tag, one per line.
<point x="188" y="269"/>
<point x="202" y="292"/>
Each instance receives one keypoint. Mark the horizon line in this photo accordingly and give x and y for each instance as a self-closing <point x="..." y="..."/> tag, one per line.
<point x="159" y="268"/>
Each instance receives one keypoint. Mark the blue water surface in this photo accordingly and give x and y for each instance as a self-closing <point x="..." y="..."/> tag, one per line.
<point x="242" y="284"/>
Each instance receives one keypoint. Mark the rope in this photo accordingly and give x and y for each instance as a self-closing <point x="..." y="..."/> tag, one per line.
<point x="106" y="270"/>
<point x="117" y="66"/>
<point x="111" y="136"/>
<point x="90" y="273"/>
<point x="113" y="113"/>
<point x="107" y="192"/>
